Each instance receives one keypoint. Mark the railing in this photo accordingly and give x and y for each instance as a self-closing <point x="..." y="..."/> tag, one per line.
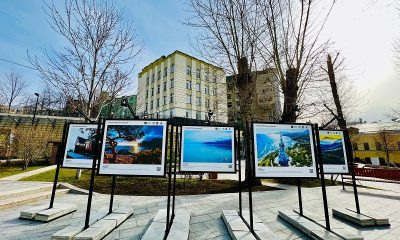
<point x="391" y="174"/>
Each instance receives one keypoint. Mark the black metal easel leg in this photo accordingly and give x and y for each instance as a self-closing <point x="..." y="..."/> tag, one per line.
<point x="114" y="180"/>
<point x="321" y="169"/>
<point x="53" y="191"/>
<point x="240" y="173"/>
<point x="342" y="182"/>
<point x="300" y="198"/>
<point x="175" y="160"/>
<point x="91" y="186"/>
<point x="250" y="176"/>
<point x="167" y="224"/>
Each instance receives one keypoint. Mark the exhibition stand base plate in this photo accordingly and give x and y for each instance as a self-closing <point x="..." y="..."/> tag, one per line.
<point x="363" y="220"/>
<point x="45" y="214"/>
<point x="99" y="229"/>
<point x="179" y="229"/>
<point x="314" y="230"/>
<point x="238" y="230"/>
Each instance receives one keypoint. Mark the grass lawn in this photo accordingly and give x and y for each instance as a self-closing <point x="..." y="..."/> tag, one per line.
<point x="6" y="171"/>
<point x="144" y="186"/>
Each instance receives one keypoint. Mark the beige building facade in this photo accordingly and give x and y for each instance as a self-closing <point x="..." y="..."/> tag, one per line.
<point x="179" y="85"/>
<point x="266" y="102"/>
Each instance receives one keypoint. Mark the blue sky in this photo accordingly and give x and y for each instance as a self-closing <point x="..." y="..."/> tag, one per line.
<point x="364" y="31"/>
<point x="202" y="136"/>
<point x="150" y="132"/>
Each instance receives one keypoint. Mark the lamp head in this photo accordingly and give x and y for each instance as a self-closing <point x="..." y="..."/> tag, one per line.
<point x="36" y="94"/>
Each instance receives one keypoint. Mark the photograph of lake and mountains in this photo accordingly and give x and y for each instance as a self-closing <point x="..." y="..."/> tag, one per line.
<point x="332" y="148"/>
<point x="133" y="144"/>
<point x="283" y="147"/>
<point x="199" y="142"/>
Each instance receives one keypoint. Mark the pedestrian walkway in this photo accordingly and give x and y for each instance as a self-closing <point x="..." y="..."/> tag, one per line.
<point x="20" y="176"/>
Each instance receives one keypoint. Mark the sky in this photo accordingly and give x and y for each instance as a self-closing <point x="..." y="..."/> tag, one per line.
<point x="363" y="30"/>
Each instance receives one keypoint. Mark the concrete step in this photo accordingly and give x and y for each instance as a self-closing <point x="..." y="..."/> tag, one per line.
<point x="12" y="193"/>
<point x="28" y="198"/>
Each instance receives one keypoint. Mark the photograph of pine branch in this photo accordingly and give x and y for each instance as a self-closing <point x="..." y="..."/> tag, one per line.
<point x="133" y="144"/>
<point x="332" y="148"/>
<point x="283" y="147"/>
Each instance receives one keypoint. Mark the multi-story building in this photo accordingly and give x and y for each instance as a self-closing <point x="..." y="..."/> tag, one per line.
<point x="179" y="85"/>
<point x="116" y="109"/>
<point x="266" y="102"/>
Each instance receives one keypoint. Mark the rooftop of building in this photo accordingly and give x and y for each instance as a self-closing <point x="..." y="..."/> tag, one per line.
<point x="163" y="57"/>
<point x="374" y="127"/>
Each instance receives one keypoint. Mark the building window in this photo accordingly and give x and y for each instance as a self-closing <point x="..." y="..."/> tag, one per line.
<point x="214" y="92"/>
<point x="147" y="80"/>
<point x="188" y="85"/>
<point x="229" y="104"/>
<point x="145" y="108"/>
<point x="355" y="146"/>
<point x="165" y="86"/>
<point x="378" y="146"/>
<point x="188" y="70"/>
<point x="214" y="78"/>
<point x="198" y="87"/>
<point x="147" y="93"/>
<point x="188" y="114"/>
<point x="165" y="71"/>
<point x="171" y="98"/>
<point x="158" y="102"/>
<point x="172" y="68"/>
<point x="198" y="115"/>
<point x="171" y="113"/>
<point x="153" y="77"/>
<point x="188" y="99"/>
<point x="366" y="146"/>
<point x="198" y="101"/>
<point x="368" y="160"/>
<point x="197" y="73"/>
<point x="229" y="96"/>
<point x="152" y="91"/>
<point x="158" y="88"/>
<point x="207" y="90"/>
<point x="398" y="145"/>
<point x="206" y="75"/>
<point x="151" y="105"/>
<point x="165" y="100"/>
<point x="172" y="83"/>
<point x="159" y="75"/>
<point x="207" y="103"/>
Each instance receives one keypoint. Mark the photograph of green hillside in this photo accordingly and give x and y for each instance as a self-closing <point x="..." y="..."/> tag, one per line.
<point x="333" y="151"/>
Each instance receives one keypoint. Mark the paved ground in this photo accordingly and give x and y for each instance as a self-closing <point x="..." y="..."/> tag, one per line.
<point x="206" y="222"/>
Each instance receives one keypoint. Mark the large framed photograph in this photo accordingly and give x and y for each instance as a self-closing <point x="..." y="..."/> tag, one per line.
<point x="333" y="151"/>
<point x="79" y="145"/>
<point x="133" y="147"/>
<point x="208" y="149"/>
<point x="284" y="151"/>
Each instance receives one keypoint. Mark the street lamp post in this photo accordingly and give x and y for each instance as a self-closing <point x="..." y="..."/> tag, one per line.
<point x="34" y="112"/>
<point x="125" y="103"/>
<point x="210" y="113"/>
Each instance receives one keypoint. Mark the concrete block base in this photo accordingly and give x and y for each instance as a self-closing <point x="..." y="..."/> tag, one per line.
<point x="45" y="214"/>
<point x="314" y="230"/>
<point x="238" y="229"/>
<point x="97" y="230"/>
<point x="179" y="229"/>
<point x="363" y="219"/>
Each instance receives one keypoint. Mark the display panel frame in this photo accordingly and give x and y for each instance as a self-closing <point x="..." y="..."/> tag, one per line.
<point x="67" y="140"/>
<point x="314" y="154"/>
<point x="234" y="160"/>
<point x="333" y="168"/>
<point x="163" y="151"/>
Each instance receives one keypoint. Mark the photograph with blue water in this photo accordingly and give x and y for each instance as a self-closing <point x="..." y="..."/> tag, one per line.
<point x="289" y="147"/>
<point x="207" y="146"/>
<point x="332" y="151"/>
<point x="80" y="143"/>
<point x="133" y="144"/>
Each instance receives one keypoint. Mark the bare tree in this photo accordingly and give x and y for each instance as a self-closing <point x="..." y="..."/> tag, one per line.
<point x="387" y="141"/>
<point x="291" y="44"/>
<point x="11" y="87"/>
<point x="98" y="57"/>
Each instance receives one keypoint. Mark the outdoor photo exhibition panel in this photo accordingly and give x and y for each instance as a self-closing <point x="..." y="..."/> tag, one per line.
<point x="333" y="151"/>
<point x="133" y="147"/>
<point x="79" y="146"/>
<point x="284" y="151"/>
<point x="208" y="149"/>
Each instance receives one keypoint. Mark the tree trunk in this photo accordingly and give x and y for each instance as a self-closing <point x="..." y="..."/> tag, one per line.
<point x="332" y="80"/>
<point x="290" y="96"/>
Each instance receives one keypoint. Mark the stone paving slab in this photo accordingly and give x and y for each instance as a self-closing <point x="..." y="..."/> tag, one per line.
<point x="55" y="212"/>
<point x="379" y="219"/>
<point x="316" y="231"/>
<point x="359" y="219"/>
